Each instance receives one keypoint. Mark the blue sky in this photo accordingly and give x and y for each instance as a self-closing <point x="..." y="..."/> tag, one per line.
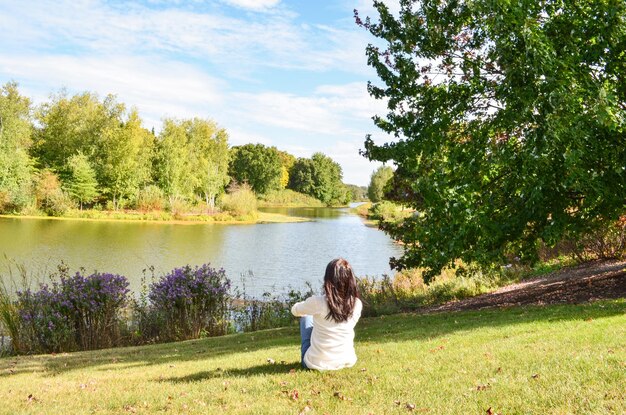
<point x="288" y="73"/>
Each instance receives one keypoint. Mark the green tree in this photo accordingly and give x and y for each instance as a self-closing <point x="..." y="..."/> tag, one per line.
<point x="15" y="140"/>
<point x="357" y="193"/>
<point x="510" y="118"/>
<point x="173" y="167"/>
<point x="378" y="181"/>
<point x="119" y="149"/>
<point x="81" y="184"/>
<point x="258" y="165"/>
<point x="319" y="177"/>
<point x="124" y="158"/>
<point x="192" y="159"/>
<point x="69" y="125"/>
<point x="287" y="161"/>
<point x="209" y="157"/>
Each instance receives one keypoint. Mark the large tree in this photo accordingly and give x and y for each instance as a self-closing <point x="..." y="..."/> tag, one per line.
<point x="15" y="140"/>
<point x="378" y="182"/>
<point x="117" y="146"/>
<point x="72" y="124"/>
<point x="124" y="157"/>
<point x="258" y="165"/>
<point x="173" y="166"/>
<point x="81" y="183"/>
<point x="509" y="120"/>
<point x="320" y="177"/>
<point x="192" y="159"/>
<point x="209" y="157"/>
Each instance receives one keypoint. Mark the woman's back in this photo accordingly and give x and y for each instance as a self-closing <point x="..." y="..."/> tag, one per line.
<point x="332" y="343"/>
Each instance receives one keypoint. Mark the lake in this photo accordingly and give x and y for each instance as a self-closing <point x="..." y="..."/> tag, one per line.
<point x="279" y="255"/>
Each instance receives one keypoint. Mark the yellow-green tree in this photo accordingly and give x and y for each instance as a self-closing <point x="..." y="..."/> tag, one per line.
<point x="15" y="140"/>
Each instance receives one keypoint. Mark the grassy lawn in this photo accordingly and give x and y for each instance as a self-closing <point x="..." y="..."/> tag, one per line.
<point x="566" y="359"/>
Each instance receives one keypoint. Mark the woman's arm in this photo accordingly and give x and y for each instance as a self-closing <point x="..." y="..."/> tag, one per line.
<point x="308" y="307"/>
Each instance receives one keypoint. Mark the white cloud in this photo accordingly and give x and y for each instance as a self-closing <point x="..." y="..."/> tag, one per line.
<point x="330" y="110"/>
<point x="238" y="136"/>
<point x="241" y="43"/>
<point x="253" y="4"/>
<point x="156" y="87"/>
<point x="181" y="59"/>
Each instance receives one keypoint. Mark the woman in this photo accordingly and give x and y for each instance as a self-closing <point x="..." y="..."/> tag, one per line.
<point x="327" y="323"/>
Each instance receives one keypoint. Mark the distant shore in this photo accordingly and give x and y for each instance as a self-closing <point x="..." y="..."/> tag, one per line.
<point x="262" y="217"/>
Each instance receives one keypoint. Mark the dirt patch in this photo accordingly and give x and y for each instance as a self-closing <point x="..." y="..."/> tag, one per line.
<point x="587" y="282"/>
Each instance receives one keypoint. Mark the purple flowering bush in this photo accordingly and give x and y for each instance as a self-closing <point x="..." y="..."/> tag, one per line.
<point x="75" y="312"/>
<point x="44" y="327"/>
<point x="191" y="302"/>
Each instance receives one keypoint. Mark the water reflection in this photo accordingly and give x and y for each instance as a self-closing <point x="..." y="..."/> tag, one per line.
<point x="278" y="254"/>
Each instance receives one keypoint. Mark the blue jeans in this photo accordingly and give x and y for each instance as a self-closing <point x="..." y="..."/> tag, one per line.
<point x="306" y="328"/>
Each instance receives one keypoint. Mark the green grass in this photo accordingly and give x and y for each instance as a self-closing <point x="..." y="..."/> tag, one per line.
<point x="566" y="359"/>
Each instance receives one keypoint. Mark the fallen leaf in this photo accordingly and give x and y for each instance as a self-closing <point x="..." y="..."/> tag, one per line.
<point x="410" y="406"/>
<point x="294" y="394"/>
<point x="31" y="398"/>
<point x="363" y="369"/>
<point x="271" y="361"/>
<point x="499" y="370"/>
<point x="536" y="376"/>
<point x="130" y="408"/>
<point x="483" y="387"/>
<point x="397" y="402"/>
<point x="340" y="396"/>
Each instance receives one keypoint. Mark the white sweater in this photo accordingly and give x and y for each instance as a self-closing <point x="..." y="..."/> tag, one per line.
<point x="332" y="343"/>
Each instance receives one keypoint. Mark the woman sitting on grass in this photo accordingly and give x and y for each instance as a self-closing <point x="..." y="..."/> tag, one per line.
<point x="327" y="323"/>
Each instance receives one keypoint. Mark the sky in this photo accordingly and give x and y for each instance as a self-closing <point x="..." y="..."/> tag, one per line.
<point x="286" y="73"/>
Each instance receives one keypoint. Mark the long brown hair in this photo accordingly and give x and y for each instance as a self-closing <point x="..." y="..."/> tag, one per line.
<point x="340" y="289"/>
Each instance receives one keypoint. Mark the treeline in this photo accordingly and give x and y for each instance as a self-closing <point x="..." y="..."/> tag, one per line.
<point x="80" y="150"/>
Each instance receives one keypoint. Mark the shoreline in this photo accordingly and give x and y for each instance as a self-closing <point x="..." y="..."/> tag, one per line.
<point x="263" y="218"/>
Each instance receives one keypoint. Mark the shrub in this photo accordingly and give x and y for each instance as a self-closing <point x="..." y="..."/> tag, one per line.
<point x="288" y="197"/>
<point x="191" y="302"/>
<point x="407" y="289"/>
<point x="240" y="200"/>
<point x="75" y="312"/>
<point x="59" y="204"/>
<point x="388" y="212"/>
<point x="606" y="242"/>
<point x="94" y="304"/>
<point x="178" y="207"/>
<point x="150" y="198"/>
<point x="45" y="326"/>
